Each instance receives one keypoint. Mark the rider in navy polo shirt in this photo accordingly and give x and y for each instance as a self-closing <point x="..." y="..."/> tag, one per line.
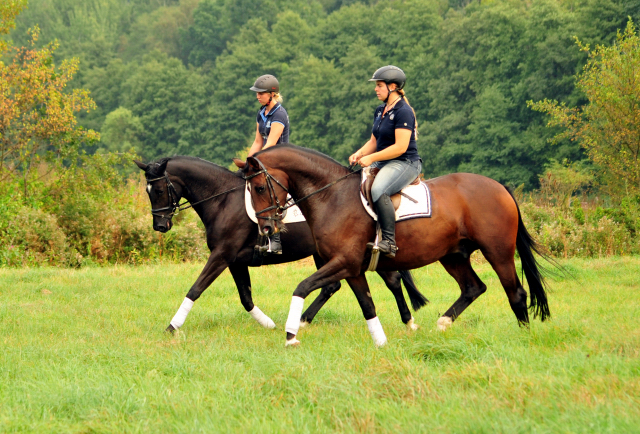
<point x="272" y="121"/>
<point x="392" y="148"/>
<point x="272" y="127"/>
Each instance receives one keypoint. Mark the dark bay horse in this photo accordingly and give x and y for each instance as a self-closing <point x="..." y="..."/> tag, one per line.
<point x="469" y="212"/>
<point x="217" y="196"/>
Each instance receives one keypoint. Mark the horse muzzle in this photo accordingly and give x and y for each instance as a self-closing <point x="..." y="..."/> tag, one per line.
<point x="162" y="226"/>
<point x="267" y="230"/>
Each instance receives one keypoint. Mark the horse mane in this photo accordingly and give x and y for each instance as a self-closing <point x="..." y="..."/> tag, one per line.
<point x="152" y="170"/>
<point x="303" y="150"/>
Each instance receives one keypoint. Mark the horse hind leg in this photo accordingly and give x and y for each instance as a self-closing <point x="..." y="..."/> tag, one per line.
<point x="393" y="281"/>
<point x="458" y="265"/>
<point x="505" y="268"/>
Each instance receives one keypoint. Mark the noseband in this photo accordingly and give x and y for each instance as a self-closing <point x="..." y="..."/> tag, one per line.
<point x="176" y="207"/>
<point x="274" y="198"/>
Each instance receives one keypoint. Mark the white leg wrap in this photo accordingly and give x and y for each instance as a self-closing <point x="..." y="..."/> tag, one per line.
<point x="181" y="314"/>
<point x="295" y="313"/>
<point x="375" y="328"/>
<point x="262" y="319"/>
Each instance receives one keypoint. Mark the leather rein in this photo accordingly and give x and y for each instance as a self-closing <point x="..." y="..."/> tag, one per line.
<point x="176" y="207"/>
<point x="274" y="197"/>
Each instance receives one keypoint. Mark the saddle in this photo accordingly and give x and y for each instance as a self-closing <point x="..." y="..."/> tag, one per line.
<point x="370" y="176"/>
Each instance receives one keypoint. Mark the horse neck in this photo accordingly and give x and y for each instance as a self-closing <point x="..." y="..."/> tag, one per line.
<point x="306" y="178"/>
<point x="200" y="181"/>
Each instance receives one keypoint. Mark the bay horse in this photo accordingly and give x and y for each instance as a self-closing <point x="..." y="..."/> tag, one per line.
<point x="217" y="196"/>
<point x="469" y="212"/>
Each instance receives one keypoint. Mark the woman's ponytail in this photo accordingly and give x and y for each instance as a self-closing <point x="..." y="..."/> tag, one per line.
<point x="401" y="93"/>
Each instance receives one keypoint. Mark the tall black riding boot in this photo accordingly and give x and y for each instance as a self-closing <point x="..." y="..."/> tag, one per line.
<point x="275" y="247"/>
<point x="387" y="220"/>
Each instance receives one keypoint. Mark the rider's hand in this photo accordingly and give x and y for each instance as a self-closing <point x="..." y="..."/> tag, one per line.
<point x="366" y="161"/>
<point x="355" y="158"/>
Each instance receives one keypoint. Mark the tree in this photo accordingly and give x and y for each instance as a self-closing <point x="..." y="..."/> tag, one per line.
<point x="608" y="126"/>
<point x="37" y="115"/>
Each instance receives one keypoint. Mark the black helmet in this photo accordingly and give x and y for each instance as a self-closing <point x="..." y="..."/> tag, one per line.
<point x="390" y="74"/>
<point x="266" y="83"/>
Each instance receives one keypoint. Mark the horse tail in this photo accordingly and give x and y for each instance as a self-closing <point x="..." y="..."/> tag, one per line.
<point x="417" y="299"/>
<point x="526" y="246"/>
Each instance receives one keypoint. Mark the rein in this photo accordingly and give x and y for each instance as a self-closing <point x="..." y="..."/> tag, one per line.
<point x="274" y="198"/>
<point x="173" y="194"/>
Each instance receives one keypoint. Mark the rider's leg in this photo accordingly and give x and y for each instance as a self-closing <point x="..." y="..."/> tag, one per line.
<point x="393" y="177"/>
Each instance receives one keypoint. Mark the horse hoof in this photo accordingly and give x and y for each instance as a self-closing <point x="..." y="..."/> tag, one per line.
<point x="269" y="324"/>
<point x="380" y="342"/>
<point x="412" y="326"/>
<point x="303" y="324"/>
<point x="444" y="322"/>
<point x="294" y="343"/>
<point x="170" y="329"/>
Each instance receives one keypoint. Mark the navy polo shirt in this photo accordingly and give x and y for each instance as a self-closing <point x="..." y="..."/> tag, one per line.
<point x="384" y="128"/>
<point x="277" y="115"/>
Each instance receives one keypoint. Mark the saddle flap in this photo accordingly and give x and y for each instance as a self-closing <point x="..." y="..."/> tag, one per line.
<point x="365" y="187"/>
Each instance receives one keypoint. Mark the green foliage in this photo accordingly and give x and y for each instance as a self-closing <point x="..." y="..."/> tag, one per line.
<point x="471" y="68"/>
<point x="93" y="214"/>
<point x="122" y="131"/>
<point x="608" y="127"/>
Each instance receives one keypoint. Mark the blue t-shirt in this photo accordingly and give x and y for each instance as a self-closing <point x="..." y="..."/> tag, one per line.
<point x="384" y="128"/>
<point x="277" y="115"/>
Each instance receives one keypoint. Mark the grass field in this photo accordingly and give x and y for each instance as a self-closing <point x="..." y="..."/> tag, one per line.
<point x="84" y="351"/>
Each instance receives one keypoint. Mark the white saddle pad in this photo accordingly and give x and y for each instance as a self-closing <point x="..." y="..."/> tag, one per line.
<point x="408" y="209"/>
<point x="291" y="215"/>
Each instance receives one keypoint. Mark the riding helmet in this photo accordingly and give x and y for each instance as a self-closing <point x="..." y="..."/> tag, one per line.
<point x="390" y="74"/>
<point x="266" y="83"/>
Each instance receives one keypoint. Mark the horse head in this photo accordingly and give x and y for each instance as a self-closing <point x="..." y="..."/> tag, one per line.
<point x="164" y="193"/>
<point x="269" y="188"/>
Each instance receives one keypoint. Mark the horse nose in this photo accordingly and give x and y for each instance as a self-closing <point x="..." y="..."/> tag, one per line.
<point x="267" y="230"/>
<point x="162" y="226"/>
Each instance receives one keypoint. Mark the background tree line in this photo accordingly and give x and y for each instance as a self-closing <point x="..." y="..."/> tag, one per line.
<point x="542" y="95"/>
<point x="172" y="76"/>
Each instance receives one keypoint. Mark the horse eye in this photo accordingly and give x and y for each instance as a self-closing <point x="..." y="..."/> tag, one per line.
<point x="260" y="189"/>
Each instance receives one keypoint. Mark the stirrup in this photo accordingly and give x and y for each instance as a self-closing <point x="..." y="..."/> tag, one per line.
<point x="388" y="248"/>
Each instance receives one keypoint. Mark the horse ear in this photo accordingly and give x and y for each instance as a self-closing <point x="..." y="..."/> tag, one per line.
<point x="255" y="165"/>
<point x="162" y="167"/>
<point x="141" y="165"/>
<point x="239" y="163"/>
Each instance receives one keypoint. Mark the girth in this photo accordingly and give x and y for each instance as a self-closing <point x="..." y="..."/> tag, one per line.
<point x="370" y="176"/>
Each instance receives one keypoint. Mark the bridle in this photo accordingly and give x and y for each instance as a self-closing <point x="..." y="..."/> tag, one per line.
<point x="280" y="209"/>
<point x="176" y="207"/>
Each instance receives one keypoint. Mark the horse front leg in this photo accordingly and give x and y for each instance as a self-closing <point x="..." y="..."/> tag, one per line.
<point x="325" y="294"/>
<point x="332" y="272"/>
<point x="212" y="269"/>
<point x="241" y="276"/>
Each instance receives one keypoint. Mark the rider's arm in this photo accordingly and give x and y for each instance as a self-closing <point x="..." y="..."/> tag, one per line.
<point x="366" y="149"/>
<point x="274" y="135"/>
<point x="257" y="142"/>
<point x="401" y="145"/>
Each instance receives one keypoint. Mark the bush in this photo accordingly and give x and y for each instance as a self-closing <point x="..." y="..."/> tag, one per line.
<point x="95" y="213"/>
<point x="579" y="232"/>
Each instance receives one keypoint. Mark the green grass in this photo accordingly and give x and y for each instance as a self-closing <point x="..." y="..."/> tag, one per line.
<point x="84" y="351"/>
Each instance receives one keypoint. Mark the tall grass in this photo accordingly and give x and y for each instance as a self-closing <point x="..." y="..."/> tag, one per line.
<point x="84" y="351"/>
